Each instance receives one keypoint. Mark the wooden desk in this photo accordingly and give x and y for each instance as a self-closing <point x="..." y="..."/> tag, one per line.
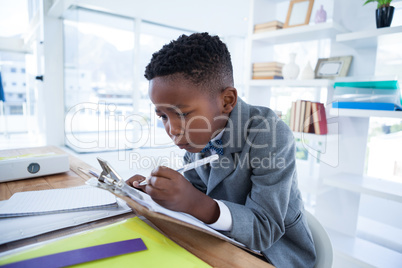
<point x="72" y="178"/>
<point x="214" y="251"/>
<point x="63" y="180"/>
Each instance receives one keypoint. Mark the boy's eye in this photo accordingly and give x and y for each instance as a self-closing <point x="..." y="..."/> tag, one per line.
<point x="182" y="115"/>
<point x="162" y="116"/>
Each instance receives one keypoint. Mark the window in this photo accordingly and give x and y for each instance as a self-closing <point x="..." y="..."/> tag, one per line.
<point x="18" y="128"/>
<point x="99" y="64"/>
<point x="152" y="38"/>
<point x="383" y="156"/>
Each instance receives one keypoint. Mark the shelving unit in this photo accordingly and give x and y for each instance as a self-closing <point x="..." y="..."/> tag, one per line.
<point x="337" y="182"/>
<point x="364" y="113"/>
<point x="301" y="33"/>
<point x="366" y="185"/>
<point x="315" y="137"/>
<point x="368" y="38"/>
<point x="292" y="83"/>
<point x="360" y="252"/>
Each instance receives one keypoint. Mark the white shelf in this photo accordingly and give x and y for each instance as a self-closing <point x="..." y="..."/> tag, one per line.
<point x="366" y="185"/>
<point x="366" y="38"/>
<point x="314" y="137"/>
<point x="310" y="185"/>
<point x="362" y="252"/>
<point x="300" y="34"/>
<point x="292" y="83"/>
<point x="364" y="113"/>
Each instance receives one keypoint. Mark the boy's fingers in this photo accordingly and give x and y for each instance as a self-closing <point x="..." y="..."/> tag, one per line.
<point x="135" y="178"/>
<point x="160" y="183"/>
<point x="164" y="172"/>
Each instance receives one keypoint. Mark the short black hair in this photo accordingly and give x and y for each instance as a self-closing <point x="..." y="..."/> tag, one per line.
<point x="201" y="58"/>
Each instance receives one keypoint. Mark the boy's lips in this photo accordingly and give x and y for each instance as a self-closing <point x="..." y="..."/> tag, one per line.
<point x="183" y="145"/>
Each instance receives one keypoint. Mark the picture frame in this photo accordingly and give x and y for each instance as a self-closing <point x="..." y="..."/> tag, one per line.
<point x="299" y="13"/>
<point x="329" y="68"/>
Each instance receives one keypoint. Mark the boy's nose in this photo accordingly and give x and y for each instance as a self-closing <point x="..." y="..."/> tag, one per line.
<point x="176" y="129"/>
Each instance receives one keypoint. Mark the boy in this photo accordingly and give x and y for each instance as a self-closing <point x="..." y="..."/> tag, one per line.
<point x="250" y="193"/>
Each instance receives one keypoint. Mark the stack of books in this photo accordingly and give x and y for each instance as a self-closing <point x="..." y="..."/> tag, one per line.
<point x="268" y="26"/>
<point x="368" y="95"/>
<point x="308" y="117"/>
<point x="267" y="70"/>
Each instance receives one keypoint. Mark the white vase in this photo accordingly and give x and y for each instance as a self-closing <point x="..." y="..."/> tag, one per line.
<point x="291" y="70"/>
<point x="307" y="72"/>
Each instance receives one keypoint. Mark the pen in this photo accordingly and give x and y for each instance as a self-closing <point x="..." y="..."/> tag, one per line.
<point x="188" y="167"/>
<point x="93" y="173"/>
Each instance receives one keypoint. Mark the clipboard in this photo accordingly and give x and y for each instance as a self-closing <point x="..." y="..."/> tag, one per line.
<point x="190" y="233"/>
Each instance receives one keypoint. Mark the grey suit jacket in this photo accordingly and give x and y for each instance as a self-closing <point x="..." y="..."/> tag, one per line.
<point x="256" y="178"/>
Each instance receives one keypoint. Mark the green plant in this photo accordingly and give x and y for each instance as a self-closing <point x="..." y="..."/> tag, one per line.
<point x="381" y="3"/>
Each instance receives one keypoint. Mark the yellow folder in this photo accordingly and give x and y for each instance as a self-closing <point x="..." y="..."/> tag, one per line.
<point x="161" y="252"/>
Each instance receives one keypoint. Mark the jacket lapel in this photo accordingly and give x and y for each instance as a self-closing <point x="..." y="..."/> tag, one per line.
<point x="202" y="171"/>
<point x="233" y="140"/>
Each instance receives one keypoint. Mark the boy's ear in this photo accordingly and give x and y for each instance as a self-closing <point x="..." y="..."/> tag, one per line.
<point x="229" y="99"/>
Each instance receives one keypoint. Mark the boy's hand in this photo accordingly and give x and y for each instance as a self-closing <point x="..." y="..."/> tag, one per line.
<point x="171" y="190"/>
<point x="135" y="180"/>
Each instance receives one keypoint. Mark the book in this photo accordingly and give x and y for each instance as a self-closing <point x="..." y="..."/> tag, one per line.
<point x="319" y="118"/>
<point x="308" y="119"/>
<point x="270" y="73"/>
<point x="292" y="116"/>
<point x="56" y="201"/>
<point x="268" y="26"/>
<point x="267" y="69"/>
<point x="308" y="126"/>
<point x="268" y="64"/>
<point x="268" y="77"/>
<point x="297" y="115"/>
<point x="365" y="105"/>
<point x="302" y="115"/>
<point x="274" y="23"/>
<point x="267" y="29"/>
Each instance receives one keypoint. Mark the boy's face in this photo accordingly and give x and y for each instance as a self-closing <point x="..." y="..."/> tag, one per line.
<point x="191" y="116"/>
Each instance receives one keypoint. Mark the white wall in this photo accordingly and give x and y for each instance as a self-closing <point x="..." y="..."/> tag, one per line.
<point x="223" y="17"/>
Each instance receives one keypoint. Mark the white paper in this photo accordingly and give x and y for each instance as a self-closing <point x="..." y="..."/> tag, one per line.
<point x="17" y="228"/>
<point x="149" y="203"/>
<point x="56" y="201"/>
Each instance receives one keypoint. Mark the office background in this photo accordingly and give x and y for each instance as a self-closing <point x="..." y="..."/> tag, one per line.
<point x="72" y="75"/>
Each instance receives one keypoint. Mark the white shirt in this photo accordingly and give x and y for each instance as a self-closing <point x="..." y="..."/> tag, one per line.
<point x="224" y="222"/>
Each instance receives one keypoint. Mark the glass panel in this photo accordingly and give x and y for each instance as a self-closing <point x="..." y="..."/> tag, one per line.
<point x="153" y="37"/>
<point x="383" y="155"/>
<point x="99" y="76"/>
<point x="18" y="113"/>
<point x="13" y="18"/>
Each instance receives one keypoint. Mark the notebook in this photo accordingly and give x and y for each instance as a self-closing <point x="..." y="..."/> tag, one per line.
<point x="16" y="228"/>
<point x="56" y="201"/>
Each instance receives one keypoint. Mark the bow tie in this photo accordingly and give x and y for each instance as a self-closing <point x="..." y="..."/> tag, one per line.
<point x="215" y="145"/>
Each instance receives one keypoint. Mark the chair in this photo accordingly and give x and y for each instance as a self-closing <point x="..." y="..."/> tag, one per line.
<point x="323" y="246"/>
